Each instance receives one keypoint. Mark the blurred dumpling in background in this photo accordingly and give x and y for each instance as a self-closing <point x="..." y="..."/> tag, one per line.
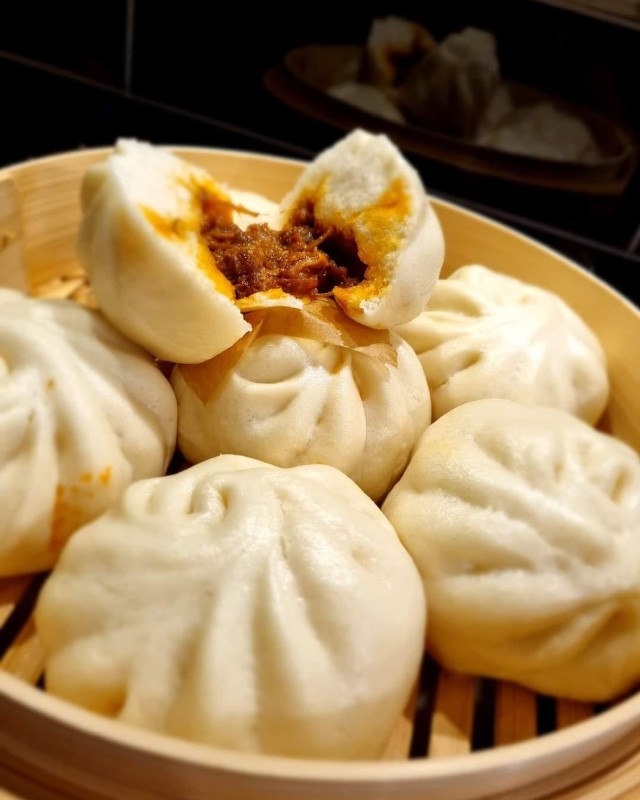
<point x="524" y="523"/>
<point x="458" y="89"/>
<point x="394" y="45"/>
<point x="242" y="606"/>
<point x="83" y="413"/>
<point x="450" y="88"/>
<point x="304" y="387"/>
<point x="454" y="87"/>
<point x="484" y="334"/>
<point x="541" y="131"/>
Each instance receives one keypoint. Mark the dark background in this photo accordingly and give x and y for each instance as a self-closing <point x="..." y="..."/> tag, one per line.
<point x="77" y="74"/>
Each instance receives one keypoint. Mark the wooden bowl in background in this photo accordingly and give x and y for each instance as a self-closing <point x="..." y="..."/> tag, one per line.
<point x="301" y="81"/>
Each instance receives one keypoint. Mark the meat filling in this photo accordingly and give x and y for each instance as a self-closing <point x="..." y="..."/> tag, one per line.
<point x="302" y="259"/>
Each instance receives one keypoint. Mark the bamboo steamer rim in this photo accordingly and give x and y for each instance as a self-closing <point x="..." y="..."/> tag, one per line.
<point x="622" y="717"/>
<point x="589" y="737"/>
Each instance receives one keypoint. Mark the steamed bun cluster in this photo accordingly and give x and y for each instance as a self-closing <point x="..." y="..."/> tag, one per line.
<point x="298" y="367"/>
<point x="283" y="594"/>
<point x="260" y="600"/>
<point x="83" y="413"/>
<point x="143" y="242"/>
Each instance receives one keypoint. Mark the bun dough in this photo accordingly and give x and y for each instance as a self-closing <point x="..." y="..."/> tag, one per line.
<point x="365" y="190"/>
<point x="83" y="412"/>
<point x="524" y="524"/>
<point x="308" y="387"/>
<point x="484" y="334"/>
<point x="140" y="243"/>
<point x="243" y="606"/>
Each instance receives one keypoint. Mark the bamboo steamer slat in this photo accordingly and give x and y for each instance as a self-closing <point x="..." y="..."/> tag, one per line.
<point x="11" y="260"/>
<point x="459" y="738"/>
<point x="452" y="720"/>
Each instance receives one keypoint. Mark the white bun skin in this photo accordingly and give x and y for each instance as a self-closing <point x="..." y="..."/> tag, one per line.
<point x="156" y="281"/>
<point x="524" y="523"/>
<point x="365" y="189"/>
<point x="483" y="334"/>
<point x="83" y="413"/>
<point x="307" y="387"/>
<point x="243" y="606"/>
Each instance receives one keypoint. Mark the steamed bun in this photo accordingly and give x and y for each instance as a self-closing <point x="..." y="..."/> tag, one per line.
<point x="308" y="386"/>
<point x="83" y="413"/>
<point x="369" y="194"/>
<point x="140" y="242"/>
<point x="525" y="525"/>
<point x="243" y="606"/>
<point x="483" y="334"/>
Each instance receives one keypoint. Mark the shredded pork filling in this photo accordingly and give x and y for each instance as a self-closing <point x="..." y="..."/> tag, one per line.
<point x="302" y="259"/>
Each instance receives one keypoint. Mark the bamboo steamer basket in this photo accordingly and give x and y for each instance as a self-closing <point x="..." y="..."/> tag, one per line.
<point x="460" y="738"/>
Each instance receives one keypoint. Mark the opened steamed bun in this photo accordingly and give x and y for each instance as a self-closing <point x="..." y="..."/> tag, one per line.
<point x="367" y="192"/>
<point x="174" y="258"/>
<point x="483" y="334"/>
<point x="525" y="525"/>
<point x="140" y="242"/>
<point x="308" y="386"/>
<point x="240" y="605"/>
<point x="83" y="413"/>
